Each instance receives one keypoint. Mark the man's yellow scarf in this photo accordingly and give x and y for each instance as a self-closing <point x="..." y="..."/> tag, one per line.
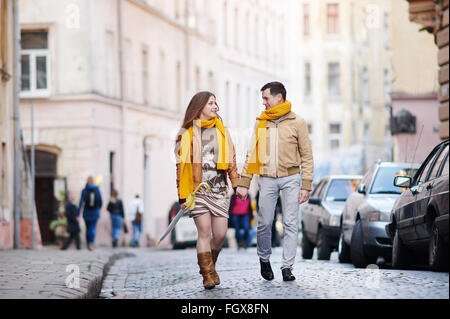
<point x="186" y="176"/>
<point x="256" y="160"/>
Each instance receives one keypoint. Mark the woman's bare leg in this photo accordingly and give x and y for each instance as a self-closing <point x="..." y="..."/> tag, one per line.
<point x="219" y="230"/>
<point x="203" y="224"/>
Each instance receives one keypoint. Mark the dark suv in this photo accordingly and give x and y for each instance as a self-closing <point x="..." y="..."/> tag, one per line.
<point x="419" y="227"/>
<point x="363" y="235"/>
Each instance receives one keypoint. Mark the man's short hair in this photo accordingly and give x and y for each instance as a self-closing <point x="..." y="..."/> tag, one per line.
<point x="275" y="88"/>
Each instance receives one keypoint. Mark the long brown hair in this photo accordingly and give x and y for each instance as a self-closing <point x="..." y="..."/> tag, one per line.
<point x="194" y="110"/>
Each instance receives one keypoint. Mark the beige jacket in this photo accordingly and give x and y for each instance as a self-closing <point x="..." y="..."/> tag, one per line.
<point x="287" y="148"/>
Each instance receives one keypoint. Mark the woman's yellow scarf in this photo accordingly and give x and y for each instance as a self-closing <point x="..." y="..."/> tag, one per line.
<point x="186" y="176"/>
<point x="257" y="158"/>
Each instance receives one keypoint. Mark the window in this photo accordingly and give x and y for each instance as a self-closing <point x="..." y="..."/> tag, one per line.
<point x="340" y="189"/>
<point x="316" y="190"/>
<point x="437" y="164"/>
<point x="197" y="79"/>
<point x="333" y="80"/>
<point x="35" y="66"/>
<point x="225" y="23"/>
<point x="386" y="30"/>
<point x="333" y="18"/>
<point x="383" y="181"/>
<point x="386" y="85"/>
<point x="335" y="136"/>
<point x="111" y="171"/>
<point x="145" y="82"/>
<point x="307" y="79"/>
<point x="178" y="101"/>
<point x="3" y="187"/>
<point x="365" y="85"/>
<point x="236" y="29"/>
<point x="306" y="20"/>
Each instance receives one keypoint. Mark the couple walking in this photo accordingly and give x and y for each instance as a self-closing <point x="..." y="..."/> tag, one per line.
<point x="205" y="153"/>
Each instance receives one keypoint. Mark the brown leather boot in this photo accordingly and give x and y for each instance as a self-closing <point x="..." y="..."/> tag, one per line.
<point x="215" y="254"/>
<point x="206" y="269"/>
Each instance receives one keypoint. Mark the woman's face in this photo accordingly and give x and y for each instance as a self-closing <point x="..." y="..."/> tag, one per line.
<point x="209" y="110"/>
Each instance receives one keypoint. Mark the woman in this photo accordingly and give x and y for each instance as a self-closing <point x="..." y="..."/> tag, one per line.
<point x="205" y="153"/>
<point x="115" y="208"/>
<point x="91" y="199"/>
<point x="240" y="212"/>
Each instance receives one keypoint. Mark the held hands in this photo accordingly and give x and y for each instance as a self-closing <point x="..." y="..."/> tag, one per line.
<point x="303" y="196"/>
<point x="242" y="192"/>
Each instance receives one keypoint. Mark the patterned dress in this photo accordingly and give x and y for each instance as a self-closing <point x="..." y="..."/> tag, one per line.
<point x="217" y="200"/>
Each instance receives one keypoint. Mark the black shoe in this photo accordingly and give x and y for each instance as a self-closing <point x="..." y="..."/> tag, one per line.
<point x="266" y="270"/>
<point x="287" y="274"/>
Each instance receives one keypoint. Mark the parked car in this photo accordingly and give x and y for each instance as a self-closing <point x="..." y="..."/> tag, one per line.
<point x="419" y="226"/>
<point x="321" y="215"/>
<point x="185" y="233"/>
<point x="363" y="236"/>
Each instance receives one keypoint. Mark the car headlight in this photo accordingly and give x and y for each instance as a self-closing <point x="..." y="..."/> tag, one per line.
<point x="334" y="221"/>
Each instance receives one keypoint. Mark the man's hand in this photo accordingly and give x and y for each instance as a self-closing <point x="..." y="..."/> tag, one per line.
<point x="183" y="206"/>
<point x="242" y="192"/>
<point x="303" y="196"/>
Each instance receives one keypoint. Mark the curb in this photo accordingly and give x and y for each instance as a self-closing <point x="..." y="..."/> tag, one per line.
<point x="95" y="285"/>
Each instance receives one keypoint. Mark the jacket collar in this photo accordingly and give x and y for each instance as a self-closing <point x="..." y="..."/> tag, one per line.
<point x="290" y="116"/>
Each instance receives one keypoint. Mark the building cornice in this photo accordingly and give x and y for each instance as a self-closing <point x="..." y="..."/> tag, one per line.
<point x="93" y="97"/>
<point x="398" y="96"/>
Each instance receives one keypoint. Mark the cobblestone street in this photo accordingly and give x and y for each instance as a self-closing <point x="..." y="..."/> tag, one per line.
<point x="174" y="274"/>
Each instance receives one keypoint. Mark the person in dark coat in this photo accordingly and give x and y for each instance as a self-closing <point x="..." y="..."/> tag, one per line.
<point x="73" y="228"/>
<point x="91" y="199"/>
<point x="115" y="208"/>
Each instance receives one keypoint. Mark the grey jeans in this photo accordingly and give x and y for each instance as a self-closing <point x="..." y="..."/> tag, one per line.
<point x="269" y="190"/>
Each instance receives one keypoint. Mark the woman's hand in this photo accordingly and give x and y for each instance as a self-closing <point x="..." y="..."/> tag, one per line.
<point x="183" y="206"/>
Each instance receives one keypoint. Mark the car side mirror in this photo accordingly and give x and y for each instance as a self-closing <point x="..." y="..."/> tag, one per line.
<point x="402" y="181"/>
<point x="314" y="201"/>
<point x="362" y="189"/>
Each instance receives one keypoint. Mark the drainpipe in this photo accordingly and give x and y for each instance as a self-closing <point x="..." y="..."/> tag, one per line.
<point x="17" y="142"/>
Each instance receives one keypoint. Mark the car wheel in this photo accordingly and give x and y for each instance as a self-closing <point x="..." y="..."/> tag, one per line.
<point x="307" y="247"/>
<point x="401" y="256"/>
<point x="438" y="252"/>
<point x="343" y="250"/>
<point x="323" y="249"/>
<point x="359" y="257"/>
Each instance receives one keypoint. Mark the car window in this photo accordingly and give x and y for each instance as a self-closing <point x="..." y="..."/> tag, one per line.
<point x="368" y="177"/>
<point x="322" y="190"/>
<point x="445" y="168"/>
<point x="426" y="166"/>
<point x="384" y="179"/>
<point x="316" y="189"/>
<point x="437" y="164"/>
<point x="340" y="189"/>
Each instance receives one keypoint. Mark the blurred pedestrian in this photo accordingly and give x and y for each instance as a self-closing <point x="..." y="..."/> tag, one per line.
<point x="240" y="213"/>
<point x="115" y="209"/>
<point x="135" y="212"/>
<point x="73" y="227"/>
<point x="279" y="171"/>
<point x="91" y="200"/>
<point x="205" y="154"/>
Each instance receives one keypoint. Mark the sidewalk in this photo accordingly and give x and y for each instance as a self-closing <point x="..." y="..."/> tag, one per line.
<point x="50" y="273"/>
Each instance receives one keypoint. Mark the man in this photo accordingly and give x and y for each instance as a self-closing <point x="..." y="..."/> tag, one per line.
<point x="135" y="213"/>
<point x="279" y="146"/>
<point x="73" y="227"/>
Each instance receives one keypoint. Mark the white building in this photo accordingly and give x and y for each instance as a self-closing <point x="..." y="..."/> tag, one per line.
<point x="107" y="76"/>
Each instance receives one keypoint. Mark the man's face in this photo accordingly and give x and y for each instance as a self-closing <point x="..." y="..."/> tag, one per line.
<point x="270" y="101"/>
